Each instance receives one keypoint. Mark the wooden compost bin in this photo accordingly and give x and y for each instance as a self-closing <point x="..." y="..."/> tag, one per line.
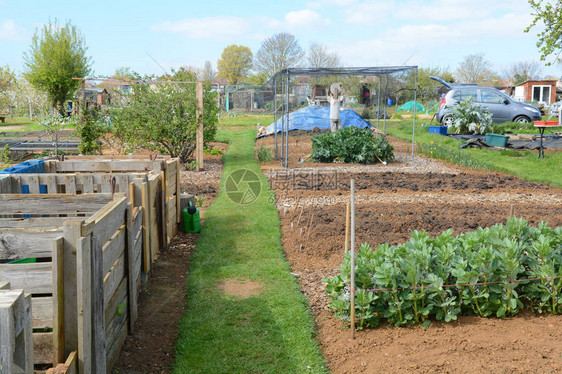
<point x="168" y="170"/>
<point x="143" y="189"/>
<point x="86" y="280"/>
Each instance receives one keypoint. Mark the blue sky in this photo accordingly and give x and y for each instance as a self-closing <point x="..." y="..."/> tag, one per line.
<point x="364" y="32"/>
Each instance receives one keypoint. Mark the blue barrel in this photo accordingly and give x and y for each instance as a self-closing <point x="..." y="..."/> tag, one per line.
<point x="389" y="102"/>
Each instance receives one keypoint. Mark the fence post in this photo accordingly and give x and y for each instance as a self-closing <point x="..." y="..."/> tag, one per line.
<point x="16" y="348"/>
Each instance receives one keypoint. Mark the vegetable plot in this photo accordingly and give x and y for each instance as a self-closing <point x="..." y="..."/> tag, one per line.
<point x="495" y="271"/>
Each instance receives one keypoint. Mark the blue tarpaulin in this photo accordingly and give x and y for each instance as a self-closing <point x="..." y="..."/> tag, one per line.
<point x="316" y="116"/>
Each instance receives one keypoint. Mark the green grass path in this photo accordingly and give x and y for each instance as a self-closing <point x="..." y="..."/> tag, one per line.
<point x="271" y="332"/>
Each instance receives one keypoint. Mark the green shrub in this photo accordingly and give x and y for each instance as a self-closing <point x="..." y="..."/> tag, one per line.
<point x="351" y="145"/>
<point x="90" y="130"/>
<point x="490" y="272"/>
<point x="469" y="118"/>
<point x="264" y="154"/>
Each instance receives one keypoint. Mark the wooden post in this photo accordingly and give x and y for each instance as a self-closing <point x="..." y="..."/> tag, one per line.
<point x="132" y="292"/>
<point x="16" y="348"/>
<point x="352" y="275"/>
<point x="347" y="215"/>
<point x="84" y="305"/>
<point x="72" y="233"/>
<point x="199" y="143"/>
<point x="98" y="315"/>
<point x="58" y="300"/>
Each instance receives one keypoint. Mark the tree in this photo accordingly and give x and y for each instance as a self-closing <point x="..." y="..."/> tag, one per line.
<point x="208" y="73"/>
<point x="427" y="88"/>
<point x="522" y="71"/>
<point x="162" y="116"/>
<point x="57" y="54"/>
<point x="318" y="56"/>
<point x="7" y="81"/>
<point x="124" y="72"/>
<point x="235" y="63"/>
<point x="475" y="69"/>
<point x="550" y="38"/>
<point x="281" y="51"/>
<point x="258" y="79"/>
<point x="30" y="101"/>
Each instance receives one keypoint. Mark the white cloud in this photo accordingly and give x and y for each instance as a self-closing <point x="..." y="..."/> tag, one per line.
<point x="305" y="19"/>
<point x="10" y="31"/>
<point x="205" y="28"/>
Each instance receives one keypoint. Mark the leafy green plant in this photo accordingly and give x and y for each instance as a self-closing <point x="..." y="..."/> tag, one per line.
<point x="213" y="151"/>
<point x="264" y="154"/>
<point x="90" y="129"/>
<point x="469" y="118"/>
<point x="351" y="145"/>
<point x="488" y="272"/>
<point x="199" y="200"/>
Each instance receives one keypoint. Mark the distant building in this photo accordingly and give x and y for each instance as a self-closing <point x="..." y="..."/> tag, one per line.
<point x="540" y="91"/>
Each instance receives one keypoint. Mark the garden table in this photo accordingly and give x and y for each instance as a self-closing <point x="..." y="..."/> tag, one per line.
<point x="541" y="125"/>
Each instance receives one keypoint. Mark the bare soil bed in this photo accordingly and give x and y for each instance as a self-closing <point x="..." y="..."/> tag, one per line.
<point x="150" y="349"/>
<point x="392" y="201"/>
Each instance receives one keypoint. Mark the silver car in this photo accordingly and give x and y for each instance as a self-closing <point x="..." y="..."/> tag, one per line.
<point x="502" y="107"/>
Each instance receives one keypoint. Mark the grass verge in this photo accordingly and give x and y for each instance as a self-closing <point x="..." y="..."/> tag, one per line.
<point x="524" y="164"/>
<point x="269" y="332"/>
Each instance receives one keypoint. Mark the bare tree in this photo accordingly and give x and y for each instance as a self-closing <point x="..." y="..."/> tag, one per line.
<point x="319" y="56"/>
<point x="522" y="71"/>
<point x="208" y="73"/>
<point x="281" y="51"/>
<point x="475" y="69"/>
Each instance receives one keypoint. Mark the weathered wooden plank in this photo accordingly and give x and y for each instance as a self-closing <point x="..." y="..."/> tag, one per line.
<point x="70" y="184"/>
<point x="43" y="348"/>
<point x="24" y="243"/>
<point x="6" y="184"/>
<point x="72" y="234"/>
<point x="113" y="278"/>
<point x="16" y="355"/>
<point x="115" y="326"/>
<point x="68" y="367"/>
<point x="87" y="183"/>
<point x="4" y="285"/>
<point x="113" y="351"/>
<point x="42" y="308"/>
<point x="98" y="320"/>
<point x="50" y="181"/>
<point x="84" y="304"/>
<point x="107" y="221"/>
<point x="58" y="300"/>
<point x="113" y="249"/>
<point x="37" y="223"/>
<point x="137" y="219"/>
<point x="74" y="166"/>
<point x="147" y="256"/>
<point x="116" y="305"/>
<point x="130" y="269"/>
<point x="164" y="211"/>
<point x="33" y="278"/>
<point x="33" y="184"/>
<point x="52" y="204"/>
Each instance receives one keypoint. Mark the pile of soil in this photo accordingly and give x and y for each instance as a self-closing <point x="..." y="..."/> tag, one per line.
<point x="390" y="204"/>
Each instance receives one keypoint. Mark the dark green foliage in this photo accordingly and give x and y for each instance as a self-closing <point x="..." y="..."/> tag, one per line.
<point x="487" y="269"/>
<point x="90" y="130"/>
<point x="351" y="145"/>
<point x="162" y="116"/>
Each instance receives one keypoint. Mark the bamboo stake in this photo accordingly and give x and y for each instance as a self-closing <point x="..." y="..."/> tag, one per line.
<point x="308" y="230"/>
<point x="511" y="211"/>
<point x="352" y="314"/>
<point x="347" y="217"/>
